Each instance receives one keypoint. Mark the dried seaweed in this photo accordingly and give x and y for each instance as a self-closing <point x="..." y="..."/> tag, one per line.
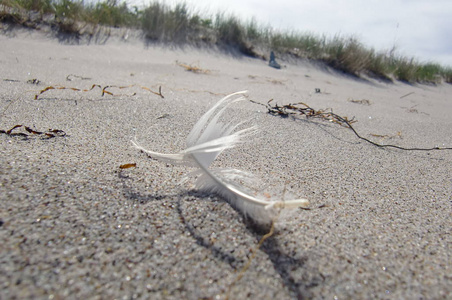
<point x="70" y="76"/>
<point x="361" y="101"/>
<point x="192" y="68"/>
<point x="303" y="109"/>
<point x="51" y="133"/>
<point x="127" y="166"/>
<point x="163" y="116"/>
<point x="30" y="81"/>
<point x="34" y="81"/>
<point x="105" y="89"/>
<point x="386" y="136"/>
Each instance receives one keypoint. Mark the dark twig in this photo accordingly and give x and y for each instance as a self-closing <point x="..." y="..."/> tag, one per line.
<point x="303" y="109"/>
<point x="51" y="133"/>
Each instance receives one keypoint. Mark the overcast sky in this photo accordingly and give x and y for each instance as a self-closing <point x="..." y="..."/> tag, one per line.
<point x="418" y="28"/>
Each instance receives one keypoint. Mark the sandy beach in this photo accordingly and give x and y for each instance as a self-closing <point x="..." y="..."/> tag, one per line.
<point x="74" y="225"/>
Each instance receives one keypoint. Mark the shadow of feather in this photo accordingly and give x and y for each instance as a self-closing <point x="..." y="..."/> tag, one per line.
<point x="285" y="265"/>
<point x="202" y="241"/>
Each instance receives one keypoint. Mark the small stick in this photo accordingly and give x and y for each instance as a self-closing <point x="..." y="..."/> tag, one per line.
<point x="406" y="95"/>
<point x="248" y="264"/>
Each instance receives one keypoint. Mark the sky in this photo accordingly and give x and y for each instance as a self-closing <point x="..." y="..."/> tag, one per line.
<point x="417" y="28"/>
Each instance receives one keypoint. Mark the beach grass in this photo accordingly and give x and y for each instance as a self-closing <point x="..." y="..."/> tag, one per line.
<point x="182" y="25"/>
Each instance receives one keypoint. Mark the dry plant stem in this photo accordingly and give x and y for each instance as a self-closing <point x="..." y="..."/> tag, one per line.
<point x="303" y="109"/>
<point x="7" y="106"/>
<point x="389" y="145"/>
<point x="191" y="68"/>
<point x="104" y="89"/>
<point x="68" y="78"/>
<point x="253" y="255"/>
<point x="406" y="95"/>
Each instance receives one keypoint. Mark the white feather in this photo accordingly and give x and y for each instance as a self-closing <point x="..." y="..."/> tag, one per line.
<point x="208" y="138"/>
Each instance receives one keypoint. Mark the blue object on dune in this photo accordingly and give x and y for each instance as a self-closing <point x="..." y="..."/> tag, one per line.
<point x="273" y="62"/>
